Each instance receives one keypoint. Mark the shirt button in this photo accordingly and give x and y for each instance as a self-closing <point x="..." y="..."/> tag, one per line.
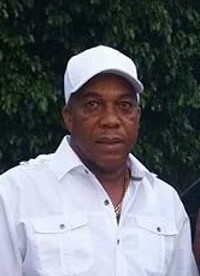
<point x="62" y="226"/>
<point x="86" y="171"/>
<point x="158" y="229"/>
<point x="106" y="202"/>
<point x="118" y="241"/>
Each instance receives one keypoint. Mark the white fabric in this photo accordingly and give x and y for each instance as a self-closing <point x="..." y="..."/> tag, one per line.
<point x="84" y="66"/>
<point x="54" y="221"/>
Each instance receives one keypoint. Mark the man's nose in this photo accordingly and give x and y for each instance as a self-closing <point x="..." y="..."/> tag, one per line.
<point x="110" y="117"/>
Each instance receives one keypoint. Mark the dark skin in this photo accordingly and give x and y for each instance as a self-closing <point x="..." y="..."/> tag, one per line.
<point x="103" y="119"/>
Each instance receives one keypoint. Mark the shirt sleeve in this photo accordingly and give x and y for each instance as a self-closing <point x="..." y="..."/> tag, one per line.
<point x="10" y="260"/>
<point x="197" y="239"/>
<point x="183" y="261"/>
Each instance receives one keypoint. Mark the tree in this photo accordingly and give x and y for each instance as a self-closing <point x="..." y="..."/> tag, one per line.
<point x="37" y="38"/>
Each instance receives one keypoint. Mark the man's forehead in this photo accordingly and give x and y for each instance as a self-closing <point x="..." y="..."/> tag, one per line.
<point x="85" y="93"/>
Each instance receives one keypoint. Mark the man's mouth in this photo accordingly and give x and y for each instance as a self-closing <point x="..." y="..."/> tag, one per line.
<point x="109" y="140"/>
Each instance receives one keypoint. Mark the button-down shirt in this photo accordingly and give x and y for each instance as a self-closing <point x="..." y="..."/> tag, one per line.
<point x="57" y="220"/>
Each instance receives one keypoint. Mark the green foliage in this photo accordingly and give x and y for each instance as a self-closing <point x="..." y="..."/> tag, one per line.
<point x="37" y="38"/>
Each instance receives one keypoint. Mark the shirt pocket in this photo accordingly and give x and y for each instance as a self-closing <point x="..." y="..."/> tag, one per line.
<point x="62" y="246"/>
<point x="156" y="240"/>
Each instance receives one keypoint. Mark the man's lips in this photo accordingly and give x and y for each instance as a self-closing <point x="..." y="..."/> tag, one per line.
<point x="109" y="140"/>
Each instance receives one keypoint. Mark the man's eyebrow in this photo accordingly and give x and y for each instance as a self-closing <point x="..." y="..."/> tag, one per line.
<point x="89" y="93"/>
<point x="93" y="93"/>
<point x="127" y="95"/>
<point x="83" y="94"/>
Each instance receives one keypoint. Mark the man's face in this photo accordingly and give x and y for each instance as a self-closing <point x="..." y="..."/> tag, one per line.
<point x="103" y="119"/>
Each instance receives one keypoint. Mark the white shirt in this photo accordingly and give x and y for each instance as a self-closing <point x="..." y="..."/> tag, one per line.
<point x="57" y="220"/>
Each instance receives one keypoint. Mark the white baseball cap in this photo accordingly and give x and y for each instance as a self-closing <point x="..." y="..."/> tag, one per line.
<point x="100" y="59"/>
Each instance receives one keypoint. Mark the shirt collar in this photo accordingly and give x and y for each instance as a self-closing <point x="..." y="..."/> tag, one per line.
<point x="139" y="171"/>
<point x="65" y="160"/>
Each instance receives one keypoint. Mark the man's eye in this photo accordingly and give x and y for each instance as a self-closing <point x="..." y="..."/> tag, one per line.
<point x="92" y="104"/>
<point x="126" y="105"/>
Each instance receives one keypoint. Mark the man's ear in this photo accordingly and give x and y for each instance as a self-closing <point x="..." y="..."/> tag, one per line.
<point x="67" y="117"/>
<point x="139" y="111"/>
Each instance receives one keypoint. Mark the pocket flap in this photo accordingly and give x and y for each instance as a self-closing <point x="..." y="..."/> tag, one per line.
<point x="51" y="224"/>
<point x="59" y="224"/>
<point x="77" y="220"/>
<point x="157" y="226"/>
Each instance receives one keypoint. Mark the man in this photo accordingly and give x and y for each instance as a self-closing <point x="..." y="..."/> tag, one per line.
<point x="92" y="208"/>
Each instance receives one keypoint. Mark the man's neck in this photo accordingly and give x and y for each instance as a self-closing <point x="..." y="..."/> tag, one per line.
<point x="115" y="182"/>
